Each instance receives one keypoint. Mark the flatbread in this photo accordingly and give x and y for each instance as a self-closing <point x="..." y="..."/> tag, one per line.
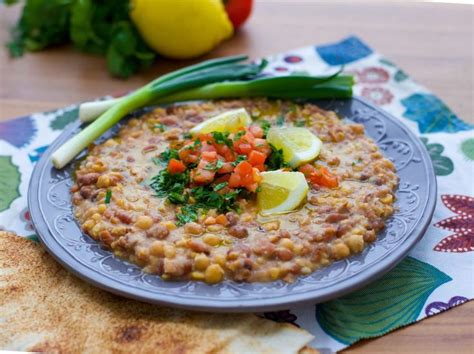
<point x="45" y="308"/>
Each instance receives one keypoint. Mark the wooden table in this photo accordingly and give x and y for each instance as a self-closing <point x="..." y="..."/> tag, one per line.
<point x="432" y="42"/>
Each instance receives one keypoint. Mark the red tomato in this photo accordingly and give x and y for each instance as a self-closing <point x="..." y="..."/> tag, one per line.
<point x="238" y="11"/>
<point x="256" y="158"/>
<point x="176" y="166"/>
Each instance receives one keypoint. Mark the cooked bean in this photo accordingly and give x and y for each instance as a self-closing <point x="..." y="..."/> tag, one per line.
<point x="232" y="218"/>
<point x="335" y="217"/>
<point x="88" y="178"/>
<point x="158" y="231"/>
<point x="193" y="228"/>
<point x="284" y="254"/>
<point x="238" y="231"/>
<point x="123" y="216"/>
<point x="340" y="250"/>
<point x="144" y="222"/>
<point x="86" y="192"/>
<point x="198" y="246"/>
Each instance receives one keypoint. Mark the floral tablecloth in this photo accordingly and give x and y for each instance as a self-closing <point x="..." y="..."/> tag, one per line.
<point x="438" y="273"/>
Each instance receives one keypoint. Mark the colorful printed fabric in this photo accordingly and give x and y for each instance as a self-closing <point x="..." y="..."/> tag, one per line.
<point x="435" y="277"/>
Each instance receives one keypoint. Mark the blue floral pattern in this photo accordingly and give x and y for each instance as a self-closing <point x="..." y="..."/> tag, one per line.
<point x="344" y="52"/>
<point x="432" y="115"/>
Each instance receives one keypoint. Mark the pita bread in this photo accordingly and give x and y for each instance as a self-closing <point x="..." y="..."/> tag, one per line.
<point x="45" y="308"/>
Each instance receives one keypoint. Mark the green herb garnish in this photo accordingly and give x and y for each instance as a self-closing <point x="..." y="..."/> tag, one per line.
<point x="161" y="127"/>
<point x="189" y="213"/>
<point x="108" y="196"/>
<point x="239" y="159"/>
<point x="171" y="186"/>
<point x="166" y="156"/>
<point x="275" y="161"/>
<point x="299" y="123"/>
<point x="221" y="138"/>
<point x="265" y="125"/>
<point x="280" y="120"/>
<point x="214" y="166"/>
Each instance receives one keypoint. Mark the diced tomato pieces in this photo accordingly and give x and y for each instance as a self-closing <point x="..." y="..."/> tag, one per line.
<point x="243" y="168"/>
<point x="256" y="131"/>
<point x="320" y="176"/>
<point x="256" y="158"/>
<point x="208" y="147"/>
<point x="202" y="176"/>
<point x="226" y="168"/>
<point x="252" y="187"/>
<point x="261" y="168"/>
<point x="307" y="169"/>
<point x="209" y="155"/>
<point x="244" y="148"/>
<point x="229" y="156"/>
<point x="262" y="146"/>
<point x="176" y="166"/>
<point x="234" y="180"/>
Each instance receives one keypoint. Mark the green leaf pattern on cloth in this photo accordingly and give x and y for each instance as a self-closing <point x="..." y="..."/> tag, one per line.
<point x="467" y="148"/>
<point x="60" y="122"/>
<point x="391" y="302"/>
<point x="9" y="182"/>
<point x="443" y="165"/>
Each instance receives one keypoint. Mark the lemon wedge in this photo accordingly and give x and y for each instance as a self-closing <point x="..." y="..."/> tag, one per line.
<point x="299" y="145"/>
<point x="230" y="121"/>
<point x="281" y="192"/>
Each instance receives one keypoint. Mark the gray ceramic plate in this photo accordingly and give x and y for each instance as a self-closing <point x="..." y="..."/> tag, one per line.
<point x="51" y="212"/>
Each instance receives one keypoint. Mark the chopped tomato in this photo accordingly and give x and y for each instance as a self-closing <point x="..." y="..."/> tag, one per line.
<point x="256" y="131"/>
<point x="209" y="155"/>
<point x="208" y="147"/>
<point x="243" y="148"/>
<point x="243" y="168"/>
<point x="226" y="168"/>
<point x="262" y="146"/>
<point x="320" y="176"/>
<point x="234" y="180"/>
<point x="256" y="158"/>
<point x="202" y="176"/>
<point x="176" y="166"/>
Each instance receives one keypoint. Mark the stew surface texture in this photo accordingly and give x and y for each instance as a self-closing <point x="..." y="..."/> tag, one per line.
<point x="117" y="204"/>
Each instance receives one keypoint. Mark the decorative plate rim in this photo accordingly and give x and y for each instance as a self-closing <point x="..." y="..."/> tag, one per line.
<point x="239" y="304"/>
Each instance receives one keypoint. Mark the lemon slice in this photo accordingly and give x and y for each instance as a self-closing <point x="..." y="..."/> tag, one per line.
<point x="281" y="192"/>
<point x="230" y="121"/>
<point x="299" y="145"/>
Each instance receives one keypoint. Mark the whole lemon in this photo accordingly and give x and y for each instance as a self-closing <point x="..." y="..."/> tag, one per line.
<point x="181" y="29"/>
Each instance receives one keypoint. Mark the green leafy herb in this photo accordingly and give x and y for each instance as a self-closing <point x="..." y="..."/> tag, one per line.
<point x="171" y="186"/>
<point x="214" y="166"/>
<point x="221" y="138"/>
<point x="207" y="198"/>
<point x="280" y="120"/>
<point x="166" y="156"/>
<point x="239" y="159"/>
<point x="299" y="123"/>
<point x="98" y="27"/>
<point x="265" y="125"/>
<point x="160" y="127"/>
<point x="275" y="161"/>
<point x="108" y="196"/>
<point x="187" y="135"/>
<point x="220" y="186"/>
<point x="189" y="213"/>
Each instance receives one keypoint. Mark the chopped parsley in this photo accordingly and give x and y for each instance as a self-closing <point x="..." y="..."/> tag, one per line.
<point x="275" y="161"/>
<point x="160" y="127"/>
<point x="265" y="125"/>
<point x="299" y="123"/>
<point x="166" y="156"/>
<point x="239" y="134"/>
<point x="215" y="166"/>
<point x="239" y="159"/>
<point x="280" y="120"/>
<point x="189" y="213"/>
<point x="171" y="186"/>
<point x="219" y="186"/>
<point x="108" y="196"/>
<point x="207" y="198"/>
<point x="222" y="138"/>
<point x="187" y="135"/>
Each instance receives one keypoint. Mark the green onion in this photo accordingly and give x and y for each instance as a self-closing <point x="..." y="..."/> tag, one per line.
<point x="108" y="196"/>
<point x="201" y="74"/>
<point x="212" y="79"/>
